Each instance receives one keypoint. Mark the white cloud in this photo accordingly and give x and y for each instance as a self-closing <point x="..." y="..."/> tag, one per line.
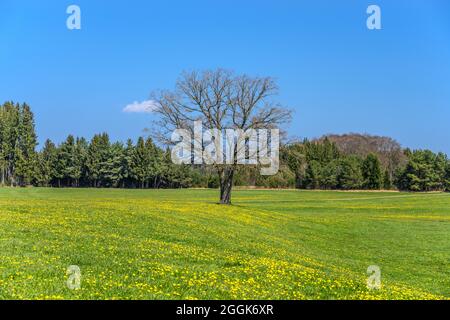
<point x="141" y="107"/>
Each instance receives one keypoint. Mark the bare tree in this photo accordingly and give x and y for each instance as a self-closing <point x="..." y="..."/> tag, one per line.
<point x="220" y="100"/>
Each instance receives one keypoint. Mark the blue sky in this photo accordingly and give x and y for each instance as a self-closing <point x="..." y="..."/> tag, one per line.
<point x="336" y="74"/>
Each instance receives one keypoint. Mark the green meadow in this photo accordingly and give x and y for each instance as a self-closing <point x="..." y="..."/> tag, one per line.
<point x="180" y="244"/>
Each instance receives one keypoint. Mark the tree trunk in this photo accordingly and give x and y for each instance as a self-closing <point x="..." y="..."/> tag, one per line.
<point x="226" y="185"/>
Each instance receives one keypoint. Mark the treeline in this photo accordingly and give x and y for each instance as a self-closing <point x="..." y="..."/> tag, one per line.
<point x="100" y="163"/>
<point x="345" y="162"/>
<point x="322" y="164"/>
<point x="79" y="163"/>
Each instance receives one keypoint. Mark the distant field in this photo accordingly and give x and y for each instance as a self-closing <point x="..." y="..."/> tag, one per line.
<point x="172" y="244"/>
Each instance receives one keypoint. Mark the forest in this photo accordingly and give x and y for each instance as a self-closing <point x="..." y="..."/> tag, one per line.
<point x="332" y="162"/>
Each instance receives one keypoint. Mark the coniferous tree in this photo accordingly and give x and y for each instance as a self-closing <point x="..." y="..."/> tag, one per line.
<point x="70" y="168"/>
<point x="47" y="159"/>
<point x="58" y="168"/>
<point x="127" y="165"/>
<point x="349" y="175"/>
<point x="97" y="156"/>
<point x="294" y="157"/>
<point x="81" y="150"/>
<point x="113" y="165"/>
<point x="9" y="140"/>
<point x="150" y="170"/>
<point x="140" y="163"/>
<point x="425" y="171"/>
<point x="25" y="147"/>
<point x="154" y="163"/>
<point x="407" y="178"/>
<point x="447" y="177"/>
<point x="329" y="175"/>
<point x="440" y="164"/>
<point x="387" y="182"/>
<point x="371" y="172"/>
<point x="3" y="160"/>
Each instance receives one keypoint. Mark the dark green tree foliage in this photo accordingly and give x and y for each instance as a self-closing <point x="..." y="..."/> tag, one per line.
<point x="114" y="172"/>
<point x="447" y="177"/>
<point x="96" y="160"/>
<point x="140" y="163"/>
<point x="81" y="151"/>
<point x="425" y="171"/>
<point x="17" y="144"/>
<point x="127" y="165"/>
<point x="316" y="165"/>
<point x="70" y="164"/>
<point x="294" y="158"/>
<point x="323" y="160"/>
<point x="349" y="175"/>
<point x="387" y="180"/>
<point x="371" y="172"/>
<point x="45" y="167"/>
<point x="320" y="165"/>
<point x="25" y="147"/>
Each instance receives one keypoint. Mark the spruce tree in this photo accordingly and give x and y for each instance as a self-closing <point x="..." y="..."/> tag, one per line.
<point x="10" y="137"/>
<point x="387" y="182"/>
<point x="447" y="177"/>
<point x="81" y="151"/>
<point x="127" y="165"/>
<point x="97" y="156"/>
<point x="349" y="173"/>
<point x="69" y="163"/>
<point x="140" y="163"/>
<point x="371" y="171"/>
<point x="25" y="148"/>
<point x="113" y="165"/>
<point x="47" y="160"/>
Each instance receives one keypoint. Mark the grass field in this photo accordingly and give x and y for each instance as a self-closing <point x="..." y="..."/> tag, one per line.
<point x="173" y="244"/>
